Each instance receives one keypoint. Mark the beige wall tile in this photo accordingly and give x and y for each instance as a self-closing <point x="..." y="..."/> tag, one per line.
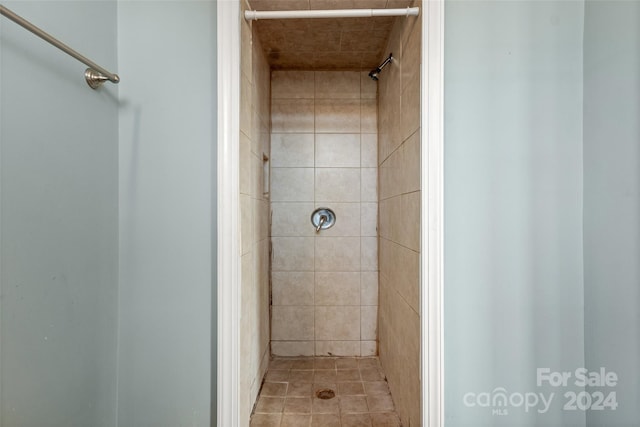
<point x="368" y="348"/>
<point x="347" y="219"/>
<point x="344" y="105"/>
<point x="411" y="51"/>
<point x="410" y="109"/>
<point x="400" y="220"/>
<point x="255" y="127"/>
<point x="368" y="322"/>
<point x="292" y="150"/>
<point x="263" y="219"/>
<point x="263" y="137"/>
<point x="384" y="218"/>
<point x="369" y="219"/>
<point x="388" y="177"/>
<point x="337" y="150"/>
<point x="248" y="289"/>
<point x="291" y="219"/>
<point x="245" y="164"/>
<point x="292" y="253"/>
<point x="384" y="330"/>
<point x="410" y="225"/>
<point x="292" y="288"/>
<point x="292" y="184"/>
<point x="369" y="253"/>
<point x="369" y="150"/>
<point x="403" y="325"/>
<point x="246" y="116"/>
<point x="337" y="254"/>
<point x="386" y="130"/>
<point x="292" y="84"/>
<point x="256" y="222"/>
<point x="369" y="185"/>
<point x="293" y="348"/>
<point x="337" y="288"/>
<point x="400" y="172"/>
<point x="254" y="141"/>
<point x="257" y="177"/>
<point x="410" y="71"/>
<point x="337" y="116"/>
<point x="255" y="120"/>
<point x="410" y="170"/>
<point x="292" y="323"/>
<point x="337" y="348"/>
<point x="246" y="51"/>
<point x="262" y="80"/>
<point x="402" y="267"/>
<point x="391" y="218"/>
<point x="246" y="225"/>
<point x="368" y="87"/>
<point x="368" y="116"/>
<point x="389" y="90"/>
<point x="337" y="84"/>
<point x="337" y="323"/>
<point x="369" y="288"/>
<point x="292" y="115"/>
<point x="337" y="184"/>
<point x="259" y="222"/>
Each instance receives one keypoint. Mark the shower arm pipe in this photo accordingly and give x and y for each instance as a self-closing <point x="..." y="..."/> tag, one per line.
<point x="254" y="15"/>
<point x="95" y="74"/>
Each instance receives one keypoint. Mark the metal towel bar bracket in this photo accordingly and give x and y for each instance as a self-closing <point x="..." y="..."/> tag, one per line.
<point x="95" y="75"/>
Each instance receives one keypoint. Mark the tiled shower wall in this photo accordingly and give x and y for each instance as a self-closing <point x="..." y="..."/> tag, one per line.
<point x="254" y="219"/>
<point x="399" y="150"/>
<point x="324" y="154"/>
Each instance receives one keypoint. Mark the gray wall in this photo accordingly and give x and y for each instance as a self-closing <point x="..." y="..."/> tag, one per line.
<point x="68" y="233"/>
<point x="612" y="201"/>
<point x="166" y="52"/>
<point x="59" y="220"/>
<point x="513" y="203"/>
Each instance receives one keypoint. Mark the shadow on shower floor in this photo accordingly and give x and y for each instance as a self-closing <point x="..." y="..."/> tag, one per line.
<point x="325" y="392"/>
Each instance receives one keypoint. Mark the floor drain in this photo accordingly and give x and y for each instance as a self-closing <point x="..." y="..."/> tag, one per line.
<point x="325" y="393"/>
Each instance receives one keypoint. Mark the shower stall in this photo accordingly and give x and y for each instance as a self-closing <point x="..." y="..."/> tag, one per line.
<point x="329" y="208"/>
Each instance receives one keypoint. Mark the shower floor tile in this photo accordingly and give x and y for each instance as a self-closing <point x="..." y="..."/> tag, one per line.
<point x="361" y="394"/>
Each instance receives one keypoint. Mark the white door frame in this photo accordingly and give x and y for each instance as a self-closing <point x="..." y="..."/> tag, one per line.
<point x="432" y="213"/>
<point x="228" y="263"/>
<point x="431" y="277"/>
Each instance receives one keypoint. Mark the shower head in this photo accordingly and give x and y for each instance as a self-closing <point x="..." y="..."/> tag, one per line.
<point x="374" y="73"/>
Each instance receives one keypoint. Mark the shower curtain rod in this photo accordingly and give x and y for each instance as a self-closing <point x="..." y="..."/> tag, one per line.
<point x="254" y="15"/>
<point x="95" y="75"/>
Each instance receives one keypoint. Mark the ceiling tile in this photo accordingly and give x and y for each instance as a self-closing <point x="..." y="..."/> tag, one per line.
<point x="325" y="44"/>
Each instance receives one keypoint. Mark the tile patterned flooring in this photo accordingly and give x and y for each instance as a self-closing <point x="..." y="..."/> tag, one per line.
<point x="288" y="399"/>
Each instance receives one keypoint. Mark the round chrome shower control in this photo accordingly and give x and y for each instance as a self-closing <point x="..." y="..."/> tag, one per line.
<point x="323" y="218"/>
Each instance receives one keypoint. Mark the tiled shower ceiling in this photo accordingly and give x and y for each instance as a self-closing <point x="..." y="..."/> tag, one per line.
<point x="325" y="44"/>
